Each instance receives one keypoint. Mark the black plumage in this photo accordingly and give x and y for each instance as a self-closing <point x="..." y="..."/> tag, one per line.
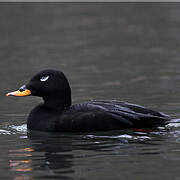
<point x="57" y="113"/>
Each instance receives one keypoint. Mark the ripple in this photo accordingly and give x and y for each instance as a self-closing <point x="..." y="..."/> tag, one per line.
<point x="122" y="137"/>
<point x="21" y="128"/>
<point x="175" y="123"/>
<point x="4" y="132"/>
<point x="13" y="129"/>
<point x="126" y="136"/>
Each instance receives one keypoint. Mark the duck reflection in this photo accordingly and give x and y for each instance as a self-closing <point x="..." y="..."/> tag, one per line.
<point x="23" y="164"/>
<point x="64" y="156"/>
<point x="48" y="156"/>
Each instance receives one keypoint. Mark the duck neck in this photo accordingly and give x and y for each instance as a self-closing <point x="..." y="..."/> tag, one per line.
<point x="57" y="102"/>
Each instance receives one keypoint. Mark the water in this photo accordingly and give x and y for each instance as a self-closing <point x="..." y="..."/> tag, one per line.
<point x="119" y="51"/>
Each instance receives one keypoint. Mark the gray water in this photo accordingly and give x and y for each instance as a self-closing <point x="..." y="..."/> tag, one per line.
<point x="124" y="51"/>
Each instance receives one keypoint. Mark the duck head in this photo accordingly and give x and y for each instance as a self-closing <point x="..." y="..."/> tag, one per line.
<point x="51" y="85"/>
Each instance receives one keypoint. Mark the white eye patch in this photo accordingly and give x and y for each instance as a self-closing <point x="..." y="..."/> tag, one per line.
<point x="44" y="78"/>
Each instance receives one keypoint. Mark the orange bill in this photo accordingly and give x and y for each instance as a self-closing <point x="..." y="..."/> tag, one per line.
<point x="19" y="93"/>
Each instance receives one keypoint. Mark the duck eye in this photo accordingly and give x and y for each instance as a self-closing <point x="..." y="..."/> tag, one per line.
<point x="44" y="78"/>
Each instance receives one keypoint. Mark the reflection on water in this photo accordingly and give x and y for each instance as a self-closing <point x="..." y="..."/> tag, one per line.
<point x="124" y="51"/>
<point x="66" y="155"/>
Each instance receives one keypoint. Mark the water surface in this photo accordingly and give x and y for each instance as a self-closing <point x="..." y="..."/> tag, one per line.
<point x="124" y="51"/>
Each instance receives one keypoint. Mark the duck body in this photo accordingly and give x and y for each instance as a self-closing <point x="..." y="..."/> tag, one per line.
<point x="94" y="116"/>
<point x="57" y="114"/>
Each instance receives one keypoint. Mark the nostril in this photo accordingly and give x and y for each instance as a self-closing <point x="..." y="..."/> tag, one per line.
<point x="23" y="88"/>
